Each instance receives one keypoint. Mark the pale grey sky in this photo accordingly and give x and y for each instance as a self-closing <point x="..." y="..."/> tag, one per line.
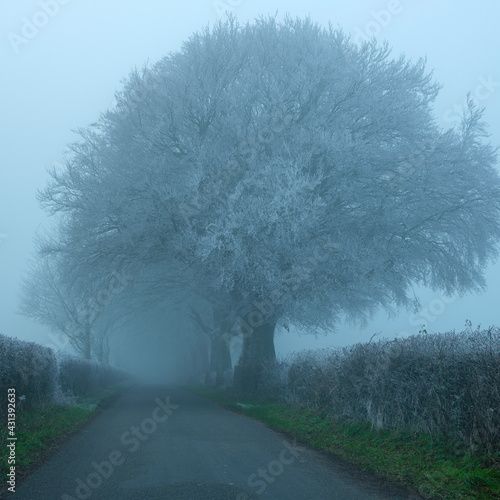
<point x="62" y="61"/>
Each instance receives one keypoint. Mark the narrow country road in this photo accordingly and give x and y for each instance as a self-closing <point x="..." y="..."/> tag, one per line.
<point x="157" y="442"/>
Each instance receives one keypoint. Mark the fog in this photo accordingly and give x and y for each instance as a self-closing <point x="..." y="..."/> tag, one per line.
<point x="60" y="75"/>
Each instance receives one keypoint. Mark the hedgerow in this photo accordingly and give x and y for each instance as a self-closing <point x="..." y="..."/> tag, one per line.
<point x="42" y="378"/>
<point x="29" y="368"/>
<point x="440" y="384"/>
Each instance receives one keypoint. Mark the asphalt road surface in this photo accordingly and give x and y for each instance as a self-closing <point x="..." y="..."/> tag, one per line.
<point x="157" y="442"/>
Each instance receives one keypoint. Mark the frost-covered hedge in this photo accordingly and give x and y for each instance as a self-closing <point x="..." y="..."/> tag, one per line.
<point x="30" y="368"/>
<point x="80" y="377"/>
<point x="44" y="378"/>
<point x="439" y="384"/>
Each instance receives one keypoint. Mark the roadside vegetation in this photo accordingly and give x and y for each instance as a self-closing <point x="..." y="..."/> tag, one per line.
<point x="47" y="397"/>
<point x="433" y="467"/>
<point x="423" y="411"/>
<point x="41" y="432"/>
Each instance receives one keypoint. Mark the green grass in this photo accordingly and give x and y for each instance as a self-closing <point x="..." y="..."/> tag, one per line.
<point x="40" y="433"/>
<point x="434" y="467"/>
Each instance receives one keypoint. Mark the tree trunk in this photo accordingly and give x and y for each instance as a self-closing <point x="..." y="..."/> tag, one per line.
<point x="258" y="349"/>
<point x="87" y="343"/>
<point x="198" y="356"/>
<point x="220" y="358"/>
<point x="101" y="348"/>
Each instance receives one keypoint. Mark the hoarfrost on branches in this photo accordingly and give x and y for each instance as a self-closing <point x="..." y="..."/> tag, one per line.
<point x="283" y="163"/>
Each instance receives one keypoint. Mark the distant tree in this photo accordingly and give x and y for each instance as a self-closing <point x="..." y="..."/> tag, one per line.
<point x="53" y="294"/>
<point x="287" y="167"/>
<point x="47" y="298"/>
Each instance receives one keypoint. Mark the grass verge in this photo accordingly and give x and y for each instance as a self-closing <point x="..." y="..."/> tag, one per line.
<point x="434" y="467"/>
<point x="40" y="433"/>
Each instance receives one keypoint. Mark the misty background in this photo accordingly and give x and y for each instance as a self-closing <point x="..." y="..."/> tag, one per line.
<point x="61" y="75"/>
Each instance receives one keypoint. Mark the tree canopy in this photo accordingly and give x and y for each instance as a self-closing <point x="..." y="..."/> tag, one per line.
<point x="283" y="171"/>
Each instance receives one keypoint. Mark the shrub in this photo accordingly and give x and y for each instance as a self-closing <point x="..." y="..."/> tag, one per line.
<point x="442" y="384"/>
<point x="81" y="377"/>
<point x="44" y="378"/>
<point x="273" y="381"/>
<point x="29" y="368"/>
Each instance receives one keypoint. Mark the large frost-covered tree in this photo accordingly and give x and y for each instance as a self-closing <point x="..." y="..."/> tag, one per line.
<point x="287" y="170"/>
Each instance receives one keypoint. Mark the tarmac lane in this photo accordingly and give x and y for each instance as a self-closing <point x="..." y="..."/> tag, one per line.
<point x="161" y="442"/>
